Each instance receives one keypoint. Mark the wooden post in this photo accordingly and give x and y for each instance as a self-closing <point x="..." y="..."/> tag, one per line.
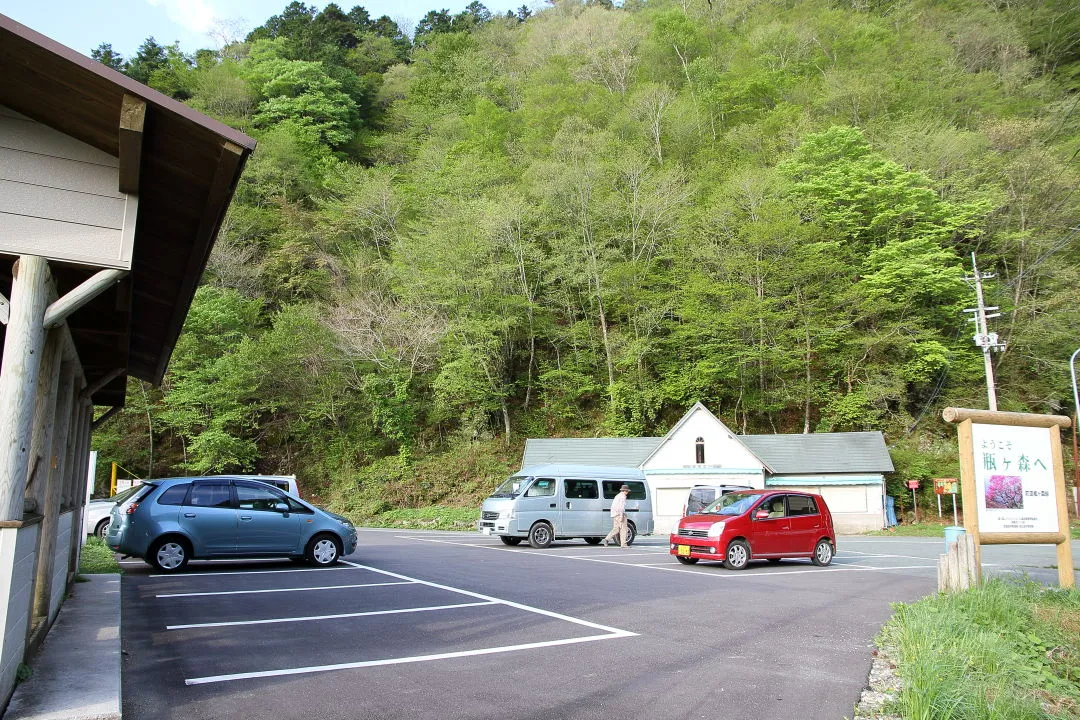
<point x="956" y="568"/>
<point x="81" y="472"/>
<point x="1064" y="548"/>
<point x="18" y="378"/>
<point x="42" y="427"/>
<point x="967" y="490"/>
<point x="70" y="498"/>
<point x="51" y="513"/>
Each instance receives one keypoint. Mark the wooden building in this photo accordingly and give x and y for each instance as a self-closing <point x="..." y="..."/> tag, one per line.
<point x="111" y="196"/>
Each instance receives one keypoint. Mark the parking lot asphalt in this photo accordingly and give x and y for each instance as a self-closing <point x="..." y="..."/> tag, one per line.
<point x="445" y="625"/>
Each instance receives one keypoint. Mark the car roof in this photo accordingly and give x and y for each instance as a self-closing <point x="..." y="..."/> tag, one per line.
<point x="165" y="482"/>
<point x="777" y="491"/>
<point x="584" y="472"/>
<point x="242" y="476"/>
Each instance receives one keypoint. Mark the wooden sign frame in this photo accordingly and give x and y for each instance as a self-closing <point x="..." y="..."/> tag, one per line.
<point x="965" y="419"/>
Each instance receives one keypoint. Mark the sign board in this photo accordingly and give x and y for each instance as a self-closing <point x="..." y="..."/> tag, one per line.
<point x="946" y="486"/>
<point x="1014" y="480"/>
<point x="913" y="484"/>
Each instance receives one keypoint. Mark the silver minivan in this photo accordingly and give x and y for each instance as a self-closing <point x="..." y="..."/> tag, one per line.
<point x="556" y="502"/>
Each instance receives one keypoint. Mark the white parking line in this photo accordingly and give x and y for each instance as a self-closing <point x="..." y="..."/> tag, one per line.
<point x="309" y="618"/>
<point x="914" y="540"/>
<point x="743" y="574"/>
<point x="613" y="558"/>
<point x="276" y="590"/>
<point x="399" y="661"/>
<point x="519" y="606"/>
<point x="885" y="555"/>
<point x="243" y="572"/>
<point x="608" y="633"/>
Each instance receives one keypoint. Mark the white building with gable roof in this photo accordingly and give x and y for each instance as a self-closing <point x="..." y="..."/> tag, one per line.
<point x="847" y="469"/>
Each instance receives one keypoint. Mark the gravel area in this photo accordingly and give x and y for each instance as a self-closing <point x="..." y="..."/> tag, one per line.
<point x="883" y="688"/>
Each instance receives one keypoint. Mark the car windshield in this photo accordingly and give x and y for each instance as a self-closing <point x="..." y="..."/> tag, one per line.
<point x="734" y="503"/>
<point x="511" y="487"/>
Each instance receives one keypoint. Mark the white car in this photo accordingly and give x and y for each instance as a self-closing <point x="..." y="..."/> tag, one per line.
<point x="98" y="512"/>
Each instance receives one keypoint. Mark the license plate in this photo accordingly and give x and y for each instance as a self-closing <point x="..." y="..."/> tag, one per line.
<point x="486" y="531"/>
<point x="684" y="550"/>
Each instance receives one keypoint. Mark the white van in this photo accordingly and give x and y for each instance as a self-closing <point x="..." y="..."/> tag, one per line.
<point x="556" y="502"/>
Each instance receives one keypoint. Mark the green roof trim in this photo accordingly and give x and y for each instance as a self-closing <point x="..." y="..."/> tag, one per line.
<point x="823" y="480"/>
<point x="704" y="471"/>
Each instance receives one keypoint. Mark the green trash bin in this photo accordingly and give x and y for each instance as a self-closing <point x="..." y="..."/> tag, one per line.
<point x="952" y="534"/>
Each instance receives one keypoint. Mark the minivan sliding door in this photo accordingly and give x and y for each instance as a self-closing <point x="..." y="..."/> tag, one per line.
<point x="583" y="510"/>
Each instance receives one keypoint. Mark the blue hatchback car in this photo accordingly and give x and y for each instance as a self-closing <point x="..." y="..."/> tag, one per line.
<point x="173" y="520"/>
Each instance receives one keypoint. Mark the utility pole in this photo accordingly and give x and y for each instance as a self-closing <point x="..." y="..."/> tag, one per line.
<point x="1076" y="421"/>
<point x="988" y="341"/>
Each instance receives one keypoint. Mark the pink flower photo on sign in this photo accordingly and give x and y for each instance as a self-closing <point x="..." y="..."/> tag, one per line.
<point x="1004" y="492"/>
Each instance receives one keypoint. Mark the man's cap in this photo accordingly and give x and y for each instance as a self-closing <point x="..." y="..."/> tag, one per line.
<point x="624" y="487"/>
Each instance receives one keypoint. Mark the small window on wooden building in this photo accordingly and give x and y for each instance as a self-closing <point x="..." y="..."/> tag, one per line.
<point x="699" y="451"/>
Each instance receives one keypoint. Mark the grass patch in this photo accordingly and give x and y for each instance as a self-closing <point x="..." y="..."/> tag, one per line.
<point x="913" y="530"/>
<point x="1005" y="650"/>
<point x="433" y="517"/>
<point x="97" y="558"/>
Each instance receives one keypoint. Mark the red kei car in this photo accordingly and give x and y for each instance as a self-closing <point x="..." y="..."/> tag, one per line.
<point x="757" y="525"/>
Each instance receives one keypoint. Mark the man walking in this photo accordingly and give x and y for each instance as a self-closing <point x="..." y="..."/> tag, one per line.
<point x="618" y="517"/>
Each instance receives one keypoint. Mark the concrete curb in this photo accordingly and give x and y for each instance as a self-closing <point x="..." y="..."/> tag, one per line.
<point x="76" y="673"/>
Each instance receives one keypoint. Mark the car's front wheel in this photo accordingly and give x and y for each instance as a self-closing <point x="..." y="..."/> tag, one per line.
<point x="823" y="553"/>
<point x="102" y="529"/>
<point x="737" y="556"/>
<point x="686" y="560"/>
<point x="510" y="540"/>
<point x="323" y="550"/>
<point x="169" y="555"/>
<point x="631" y="533"/>
<point x="541" y="535"/>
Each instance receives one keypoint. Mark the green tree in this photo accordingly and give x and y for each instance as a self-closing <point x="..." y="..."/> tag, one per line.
<point x="105" y="55"/>
<point x="210" y="399"/>
<point x="304" y="94"/>
<point x="176" y="76"/>
<point x="149" y="58"/>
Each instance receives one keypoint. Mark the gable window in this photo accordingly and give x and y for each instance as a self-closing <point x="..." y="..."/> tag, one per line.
<point x="699" y="451"/>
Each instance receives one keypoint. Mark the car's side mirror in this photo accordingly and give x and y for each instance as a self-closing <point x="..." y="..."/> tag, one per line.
<point x="282" y="508"/>
<point x="762" y="515"/>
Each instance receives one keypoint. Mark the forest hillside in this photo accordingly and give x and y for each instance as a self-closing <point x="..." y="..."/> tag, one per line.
<point x="579" y="220"/>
